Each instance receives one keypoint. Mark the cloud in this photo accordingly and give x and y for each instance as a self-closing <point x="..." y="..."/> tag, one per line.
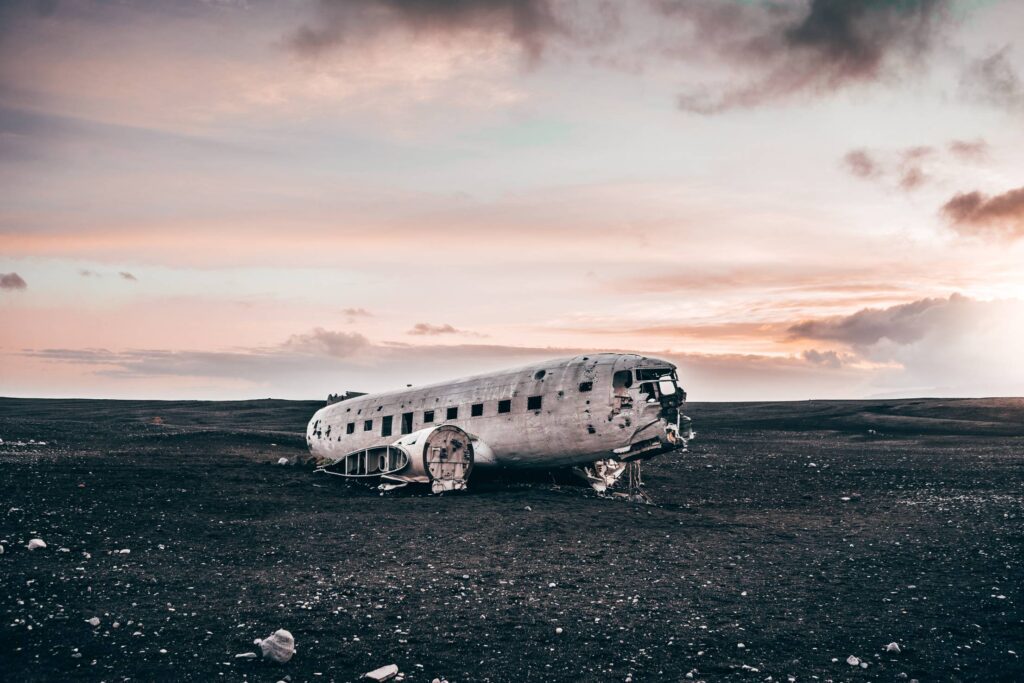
<point x="999" y="216"/>
<point x="528" y="23"/>
<point x="829" y="359"/>
<point x="328" y="343"/>
<point x="426" y="329"/>
<point x="357" y="313"/>
<point x="953" y="346"/>
<point x="128" y="276"/>
<point x="993" y="80"/>
<point x="12" y="281"/>
<point x="911" y="167"/>
<point x="903" y="324"/>
<point x="85" y="272"/>
<point x="969" y="150"/>
<point x="830" y="45"/>
<point x="861" y="164"/>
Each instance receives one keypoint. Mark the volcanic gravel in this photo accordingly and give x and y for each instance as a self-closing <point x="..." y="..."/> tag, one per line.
<point x="790" y="539"/>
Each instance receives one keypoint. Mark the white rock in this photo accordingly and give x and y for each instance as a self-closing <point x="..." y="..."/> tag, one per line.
<point x="124" y="551"/>
<point x="1" y="550"/>
<point x="95" y="621"/>
<point x="558" y="630"/>
<point x="36" y="543"/>
<point x="282" y="461"/>
<point x="384" y="673"/>
<point x="852" y="661"/>
<point x="892" y="647"/>
<point x="741" y="646"/>
<point x="278" y="647"/>
<point x="246" y="655"/>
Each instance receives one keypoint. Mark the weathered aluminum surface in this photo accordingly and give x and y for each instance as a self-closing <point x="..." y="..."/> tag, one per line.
<point x="593" y="407"/>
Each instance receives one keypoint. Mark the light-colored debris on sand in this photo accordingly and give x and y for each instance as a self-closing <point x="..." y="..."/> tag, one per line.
<point x="853" y="661"/>
<point x="278" y="647"/>
<point x="36" y="543"/>
<point x="893" y="647"/>
<point x="94" y="621"/>
<point x="384" y="673"/>
<point x="246" y="655"/>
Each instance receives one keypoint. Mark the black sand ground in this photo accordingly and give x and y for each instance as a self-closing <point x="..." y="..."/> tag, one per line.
<point x="789" y="528"/>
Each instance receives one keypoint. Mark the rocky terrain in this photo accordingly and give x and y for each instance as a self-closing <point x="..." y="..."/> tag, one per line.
<point x="795" y="541"/>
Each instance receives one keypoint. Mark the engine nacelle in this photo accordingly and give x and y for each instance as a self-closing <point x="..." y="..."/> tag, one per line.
<point x="441" y="456"/>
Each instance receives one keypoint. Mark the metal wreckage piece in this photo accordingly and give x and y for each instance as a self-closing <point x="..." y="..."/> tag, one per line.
<point x="600" y="414"/>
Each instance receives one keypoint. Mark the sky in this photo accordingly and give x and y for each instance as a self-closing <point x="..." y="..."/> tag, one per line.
<point x="789" y="199"/>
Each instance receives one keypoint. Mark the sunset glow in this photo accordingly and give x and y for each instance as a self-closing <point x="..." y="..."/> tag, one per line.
<point x="247" y="199"/>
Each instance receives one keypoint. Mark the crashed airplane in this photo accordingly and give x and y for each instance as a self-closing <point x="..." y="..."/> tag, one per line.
<point x="600" y="414"/>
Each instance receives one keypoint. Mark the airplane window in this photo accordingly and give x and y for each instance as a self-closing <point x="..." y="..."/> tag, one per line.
<point x="385" y="425"/>
<point x="368" y="425"/>
<point x="453" y="413"/>
<point x="623" y="379"/>
<point x="533" y="402"/>
<point x="586" y="386"/>
<point x="505" y="406"/>
<point x="476" y="410"/>
<point x="407" y="423"/>
<point x="540" y="374"/>
<point x="428" y="416"/>
<point x="350" y="427"/>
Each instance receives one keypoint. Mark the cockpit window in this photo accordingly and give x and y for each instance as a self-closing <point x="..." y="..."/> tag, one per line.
<point x="645" y="374"/>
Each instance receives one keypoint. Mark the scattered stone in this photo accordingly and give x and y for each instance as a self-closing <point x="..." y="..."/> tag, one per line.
<point x="94" y="621"/>
<point x="892" y="647"/>
<point x="36" y="543"/>
<point x="558" y="630"/>
<point x="384" y="673"/>
<point x="853" y="661"/>
<point x="528" y="508"/>
<point x="282" y="461"/>
<point x="246" y="655"/>
<point x="278" y="647"/>
<point x="1" y="550"/>
<point x="741" y="646"/>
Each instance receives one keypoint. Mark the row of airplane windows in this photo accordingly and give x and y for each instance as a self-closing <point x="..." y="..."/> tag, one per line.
<point x="451" y="413"/>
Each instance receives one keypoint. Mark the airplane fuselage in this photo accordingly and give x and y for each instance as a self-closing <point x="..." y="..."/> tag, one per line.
<point x="562" y="412"/>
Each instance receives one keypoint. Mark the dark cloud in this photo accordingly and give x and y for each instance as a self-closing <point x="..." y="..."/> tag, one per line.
<point x="128" y="276"/>
<point x="357" y="313"/>
<point x="860" y="163"/>
<point x="975" y="213"/>
<point x="827" y="46"/>
<point x="993" y="80"/>
<point x="328" y="343"/>
<point x="530" y="23"/>
<point x="969" y="150"/>
<point x="85" y="272"/>
<point x="12" y="281"/>
<point x="902" y="324"/>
